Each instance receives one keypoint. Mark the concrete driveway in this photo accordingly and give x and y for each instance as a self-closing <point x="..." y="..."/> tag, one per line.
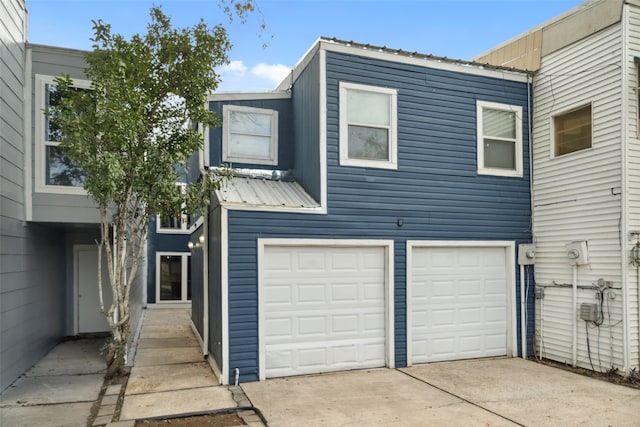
<point x="491" y="392"/>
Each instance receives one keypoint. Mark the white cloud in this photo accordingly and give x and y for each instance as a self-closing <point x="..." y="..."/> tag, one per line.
<point x="273" y="72"/>
<point x="234" y="67"/>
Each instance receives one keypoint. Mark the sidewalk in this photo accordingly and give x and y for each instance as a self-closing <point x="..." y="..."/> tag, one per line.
<point x="170" y="375"/>
<point x="60" y="390"/>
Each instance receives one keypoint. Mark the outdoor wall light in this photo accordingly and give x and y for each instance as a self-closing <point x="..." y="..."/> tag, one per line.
<point x="198" y="244"/>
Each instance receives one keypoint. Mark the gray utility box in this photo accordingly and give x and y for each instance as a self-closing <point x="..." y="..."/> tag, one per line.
<point x="589" y="312"/>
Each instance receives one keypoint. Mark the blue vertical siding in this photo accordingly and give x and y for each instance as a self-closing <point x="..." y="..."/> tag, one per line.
<point x="436" y="190"/>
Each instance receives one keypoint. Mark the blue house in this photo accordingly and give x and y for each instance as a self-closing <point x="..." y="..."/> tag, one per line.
<point x="374" y="220"/>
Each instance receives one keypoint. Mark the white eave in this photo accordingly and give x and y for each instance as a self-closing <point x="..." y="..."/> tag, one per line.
<point x="260" y="193"/>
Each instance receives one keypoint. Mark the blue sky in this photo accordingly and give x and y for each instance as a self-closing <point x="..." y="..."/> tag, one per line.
<point x="459" y="29"/>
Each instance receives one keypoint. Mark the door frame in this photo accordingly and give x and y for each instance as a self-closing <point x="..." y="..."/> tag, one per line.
<point x="387" y="245"/>
<point x="510" y="266"/>
<point x="76" y="282"/>
<point x="186" y="258"/>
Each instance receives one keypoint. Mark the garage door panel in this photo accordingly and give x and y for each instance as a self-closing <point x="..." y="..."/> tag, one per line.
<point x="458" y="303"/>
<point x="332" y="319"/>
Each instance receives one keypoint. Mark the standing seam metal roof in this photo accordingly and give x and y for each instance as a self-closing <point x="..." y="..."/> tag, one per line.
<point x="246" y="191"/>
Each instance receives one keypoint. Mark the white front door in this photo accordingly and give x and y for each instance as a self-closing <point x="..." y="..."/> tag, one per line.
<point x="89" y="317"/>
<point x="323" y="309"/>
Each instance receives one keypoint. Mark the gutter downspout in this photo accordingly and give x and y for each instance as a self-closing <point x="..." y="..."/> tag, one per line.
<point x="205" y="284"/>
<point x="523" y="325"/>
<point x="202" y="165"/>
<point x="574" y="317"/>
<point x="624" y="189"/>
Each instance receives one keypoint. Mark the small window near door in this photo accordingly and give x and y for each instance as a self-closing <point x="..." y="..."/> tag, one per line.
<point x="173" y="277"/>
<point x="572" y="131"/>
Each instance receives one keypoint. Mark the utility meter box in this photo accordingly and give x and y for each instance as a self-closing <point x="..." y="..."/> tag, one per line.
<point x="526" y="254"/>
<point x="578" y="252"/>
<point x="589" y="312"/>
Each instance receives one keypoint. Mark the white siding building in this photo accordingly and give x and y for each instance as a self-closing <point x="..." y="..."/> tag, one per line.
<point x="586" y="181"/>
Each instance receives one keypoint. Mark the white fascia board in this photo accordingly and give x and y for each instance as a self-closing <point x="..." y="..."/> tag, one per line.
<point x="300" y="66"/>
<point x="224" y="293"/>
<point x="479" y="70"/>
<point x="322" y="121"/>
<point x="267" y="208"/>
<point x="248" y="95"/>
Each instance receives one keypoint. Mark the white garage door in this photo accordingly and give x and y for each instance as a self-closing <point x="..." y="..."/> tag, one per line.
<point x="323" y="309"/>
<point x="458" y="299"/>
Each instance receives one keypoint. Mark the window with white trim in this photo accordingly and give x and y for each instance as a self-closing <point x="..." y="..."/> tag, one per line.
<point x="499" y="141"/>
<point x="368" y="126"/>
<point x="572" y="131"/>
<point x="173" y="277"/>
<point x="174" y="224"/>
<point x="55" y="171"/>
<point x="249" y="135"/>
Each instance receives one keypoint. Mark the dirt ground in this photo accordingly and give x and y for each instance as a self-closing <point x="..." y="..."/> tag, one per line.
<point x="221" y="420"/>
<point x="612" y="376"/>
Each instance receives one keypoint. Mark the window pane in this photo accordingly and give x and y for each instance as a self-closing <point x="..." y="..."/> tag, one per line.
<point x="60" y="170"/>
<point x="499" y="123"/>
<point x="170" y="222"/>
<point x="250" y="123"/>
<point x="170" y="278"/>
<point x="249" y="146"/>
<point x="368" y="143"/>
<point x="51" y="129"/>
<point x="572" y="131"/>
<point x="499" y="154"/>
<point x="368" y="108"/>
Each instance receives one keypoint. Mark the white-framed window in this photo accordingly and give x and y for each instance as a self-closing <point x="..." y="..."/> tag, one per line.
<point x="572" y="130"/>
<point x="173" y="277"/>
<point x="499" y="143"/>
<point x="368" y="126"/>
<point x="249" y="135"/>
<point x="174" y="224"/>
<point x="55" y="173"/>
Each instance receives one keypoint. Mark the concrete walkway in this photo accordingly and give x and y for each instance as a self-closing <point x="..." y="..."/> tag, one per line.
<point x="495" y="392"/>
<point x="169" y="374"/>
<point x="60" y="390"/>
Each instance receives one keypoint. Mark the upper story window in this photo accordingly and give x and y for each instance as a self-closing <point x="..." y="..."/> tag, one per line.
<point x="368" y="126"/>
<point x="249" y="135"/>
<point x="173" y="224"/>
<point x="572" y="131"/>
<point x="55" y="172"/>
<point x="499" y="139"/>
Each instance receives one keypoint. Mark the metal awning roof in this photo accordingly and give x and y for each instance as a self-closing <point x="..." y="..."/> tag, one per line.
<point x="244" y="191"/>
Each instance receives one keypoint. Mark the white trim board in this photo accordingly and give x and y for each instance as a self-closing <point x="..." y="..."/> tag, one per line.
<point x="388" y="245"/>
<point x="185" y="258"/>
<point x="510" y="252"/>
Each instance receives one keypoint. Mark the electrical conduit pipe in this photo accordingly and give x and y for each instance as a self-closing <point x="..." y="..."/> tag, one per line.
<point x="523" y="325"/>
<point x="574" y="316"/>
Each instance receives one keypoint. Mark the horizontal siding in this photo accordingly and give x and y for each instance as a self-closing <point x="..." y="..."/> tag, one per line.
<point x="306" y="131"/>
<point x="633" y="177"/>
<point x="577" y="197"/>
<point x="436" y="190"/>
